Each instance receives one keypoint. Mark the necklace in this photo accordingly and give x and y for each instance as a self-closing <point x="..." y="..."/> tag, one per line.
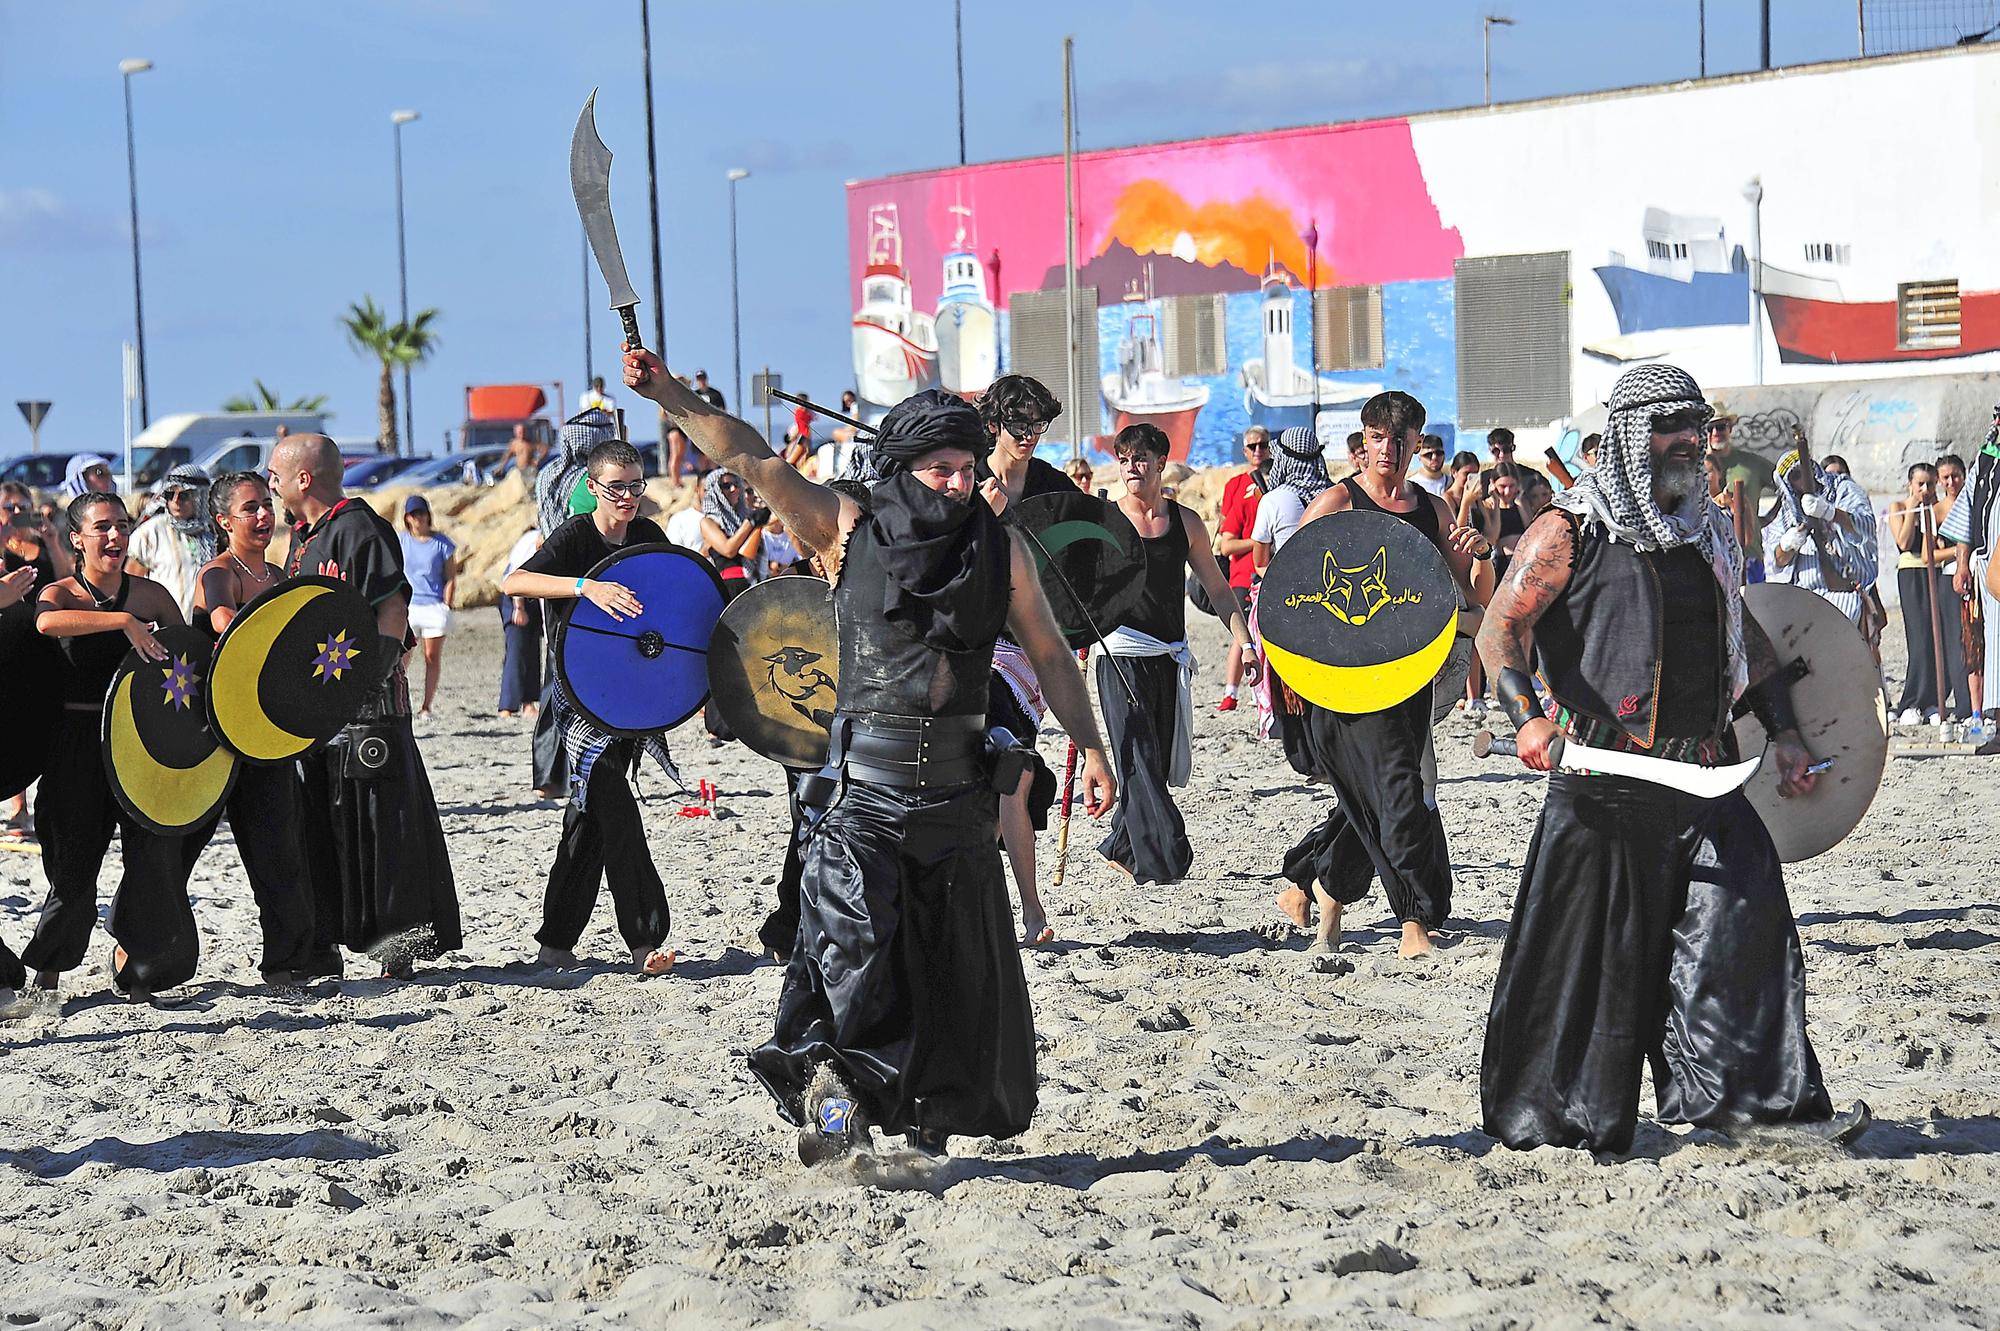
<point x="99" y="599"/>
<point x="264" y="577"/>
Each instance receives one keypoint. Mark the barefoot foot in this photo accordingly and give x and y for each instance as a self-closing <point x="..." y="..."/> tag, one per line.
<point x="653" y="960"/>
<point x="1296" y="905"/>
<point x="1328" y="939"/>
<point x="1416" y="940"/>
<point x="555" y="956"/>
<point x="1035" y="930"/>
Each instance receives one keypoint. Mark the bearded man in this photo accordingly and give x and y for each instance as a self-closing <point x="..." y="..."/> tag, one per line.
<point x="1651" y="925"/>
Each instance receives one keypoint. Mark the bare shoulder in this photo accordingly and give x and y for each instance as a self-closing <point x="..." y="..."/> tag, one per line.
<point x="1334" y="499"/>
<point x="61" y="595"/>
<point x="1190" y="521"/>
<point x="152" y="600"/>
<point x="1552" y="533"/>
<point x="847" y="516"/>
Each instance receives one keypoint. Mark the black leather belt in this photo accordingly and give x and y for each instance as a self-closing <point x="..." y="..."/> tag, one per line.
<point x="910" y="752"/>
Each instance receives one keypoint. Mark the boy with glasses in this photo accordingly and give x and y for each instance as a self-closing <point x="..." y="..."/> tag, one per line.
<point x="602" y="836"/>
<point x="1233" y="542"/>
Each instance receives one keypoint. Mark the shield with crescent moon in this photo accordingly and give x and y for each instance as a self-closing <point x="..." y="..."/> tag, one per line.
<point x="32" y="667"/>
<point x="650" y="672"/>
<point x="1357" y="611"/>
<point x="293" y="669"/>
<point x="167" y="768"/>
<point x="1837" y="694"/>
<point x="1091" y="563"/>
<point x="773" y="667"/>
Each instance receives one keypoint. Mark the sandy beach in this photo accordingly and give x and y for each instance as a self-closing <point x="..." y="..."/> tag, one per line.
<point x="1232" y="1134"/>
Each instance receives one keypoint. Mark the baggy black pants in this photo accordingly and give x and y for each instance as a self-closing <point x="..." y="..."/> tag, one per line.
<point x="263" y="812"/>
<point x="1148" y="835"/>
<point x="1383" y="822"/>
<point x="1920" y="687"/>
<point x="605" y="841"/>
<point x="75" y="815"/>
<point x="780" y="930"/>
<point x="1650" y="926"/>
<point x="550" y="758"/>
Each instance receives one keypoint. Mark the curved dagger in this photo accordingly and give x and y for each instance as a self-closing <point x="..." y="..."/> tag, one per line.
<point x="590" y="182"/>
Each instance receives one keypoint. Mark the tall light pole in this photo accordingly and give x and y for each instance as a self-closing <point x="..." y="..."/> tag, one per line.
<point x="1486" y="26"/>
<point x="398" y="119"/>
<point x="1753" y="193"/>
<point x="958" y="37"/>
<point x="653" y="193"/>
<point x="735" y="174"/>
<point x="126" y="69"/>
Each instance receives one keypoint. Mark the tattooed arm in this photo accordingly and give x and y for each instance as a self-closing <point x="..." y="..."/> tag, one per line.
<point x="1539" y="574"/>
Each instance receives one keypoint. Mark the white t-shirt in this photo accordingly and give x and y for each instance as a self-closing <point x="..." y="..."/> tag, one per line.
<point x="1436" y="487"/>
<point x="779" y="548"/>
<point x="172" y="560"/>
<point x="684" y="529"/>
<point x="529" y="542"/>
<point x="1278" y="514"/>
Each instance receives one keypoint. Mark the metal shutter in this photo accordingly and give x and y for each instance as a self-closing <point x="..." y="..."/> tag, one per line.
<point x="1513" y="339"/>
<point x="1192" y="338"/>
<point x="1038" y="346"/>
<point x="1927" y="314"/>
<point x="1347" y="329"/>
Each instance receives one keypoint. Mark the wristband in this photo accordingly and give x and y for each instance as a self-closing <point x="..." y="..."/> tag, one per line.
<point x="1517" y="696"/>
<point x="1770" y="701"/>
<point x="579" y="585"/>
<point x="1485" y="554"/>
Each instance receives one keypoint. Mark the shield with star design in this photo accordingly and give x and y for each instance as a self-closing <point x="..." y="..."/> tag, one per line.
<point x="167" y="769"/>
<point x="294" y="668"/>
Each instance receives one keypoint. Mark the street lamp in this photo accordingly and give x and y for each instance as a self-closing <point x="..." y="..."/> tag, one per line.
<point x="400" y="119"/>
<point x="1753" y="194"/>
<point x="735" y="174"/>
<point x="1486" y="26"/>
<point x="127" y="68"/>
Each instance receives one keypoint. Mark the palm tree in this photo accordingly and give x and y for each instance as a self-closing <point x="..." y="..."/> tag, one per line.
<point x="393" y="344"/>
<point x="263" y="399"/>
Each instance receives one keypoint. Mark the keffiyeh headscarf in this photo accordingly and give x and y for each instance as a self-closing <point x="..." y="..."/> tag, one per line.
<point x="199" y="528"/>
<point x="717" y="505"/>
<point x="1298" y="462"/>
<point x="73" y="482"/>
<point x="1617" y="494"/>
<point x="558" y="479"/>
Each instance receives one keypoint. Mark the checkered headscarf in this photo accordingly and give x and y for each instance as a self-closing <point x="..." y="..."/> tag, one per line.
<point x="1617" y="494"/>
<point x="1298" y="462"/>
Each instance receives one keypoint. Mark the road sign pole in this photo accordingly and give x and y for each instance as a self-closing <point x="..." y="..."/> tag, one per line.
<point x="34" y="413"/>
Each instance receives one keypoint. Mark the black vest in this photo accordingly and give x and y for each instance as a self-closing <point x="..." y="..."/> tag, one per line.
<point x="1601" y="647"/>
<point x="884" y="669"/>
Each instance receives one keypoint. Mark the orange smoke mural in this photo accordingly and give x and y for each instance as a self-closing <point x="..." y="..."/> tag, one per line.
<point x="1153" y="218"/>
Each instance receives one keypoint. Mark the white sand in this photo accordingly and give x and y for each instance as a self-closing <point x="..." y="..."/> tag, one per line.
<point x="1230" y="1134"/>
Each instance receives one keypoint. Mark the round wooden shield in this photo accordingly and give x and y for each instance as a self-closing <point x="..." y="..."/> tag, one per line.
<point x="33" y="667"/>
<point x="648" y="673"/>
<point x="772" y="668"/>
<point x="1448" y="689"/>
<point x="1091" y="562"/>
<point x="1841" y="716"/>
<point x="294" y="668"/>
<point x="1358" y="611"/>
<point x="167" y="768"/>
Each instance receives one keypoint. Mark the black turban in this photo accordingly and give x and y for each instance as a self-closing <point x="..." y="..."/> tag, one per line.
<point x="926" y="421"/>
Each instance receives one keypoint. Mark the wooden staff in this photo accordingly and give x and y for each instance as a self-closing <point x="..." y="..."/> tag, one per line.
<point x="1558" y="470"/>
<point x="1068" y="793"/>
<point x="1737" y="503"/>
<point x="1928" y="526"/>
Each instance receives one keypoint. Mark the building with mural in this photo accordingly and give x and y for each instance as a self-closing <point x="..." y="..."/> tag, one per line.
<point x="1819" y="225"/>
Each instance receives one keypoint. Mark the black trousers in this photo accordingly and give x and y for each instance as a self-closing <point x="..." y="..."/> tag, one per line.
<point x="521" y="667"/>
<point x="605" y="841"/>
<point x="550" y="758"/>
<point x="780" y="930"/>
<point x="75" y="815"/>
<point x="1651" y="926"/>
<point x="1920" y="686"/>
<point x="263" y="811"/>
<point x="907" y="980"/>
<point x="1382" y="823"/>
<point x="1148" y="835"/>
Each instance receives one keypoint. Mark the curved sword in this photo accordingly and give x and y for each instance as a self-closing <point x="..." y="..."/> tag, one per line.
<point x="590" y="182"/>
<point x="1568" y="755"/>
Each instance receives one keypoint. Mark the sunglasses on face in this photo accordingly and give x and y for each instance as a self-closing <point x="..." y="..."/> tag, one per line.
<point x="1026" y="429"/>
<point x="13" y="508"/>
<point x="1256" y="446"/>
<point x="627" y="489"/>
<point x="1676" y="422"/>
<point x="1433" y="453"/>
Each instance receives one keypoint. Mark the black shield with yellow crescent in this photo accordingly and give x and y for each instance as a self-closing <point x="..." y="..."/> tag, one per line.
<point x="32" y="667"/>
<point x="773" y="665"/>
<point x="1089" y="557"/>
<point x="294" y="668"/>
<point x="166" y="767"/>
<point x="1357" y="611"/>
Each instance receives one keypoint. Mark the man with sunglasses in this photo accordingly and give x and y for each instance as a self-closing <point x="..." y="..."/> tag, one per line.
<point x="1429" y="471"/>
<point x="373" y="843"/>
<point x="1240" y="496"/>
<point x="603" y="836"/>
<point x="1651" y="925"/>
<point x="1500" y="448"/>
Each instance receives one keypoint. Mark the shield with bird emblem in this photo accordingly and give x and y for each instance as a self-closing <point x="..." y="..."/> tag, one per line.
<point x="772" y="666"/>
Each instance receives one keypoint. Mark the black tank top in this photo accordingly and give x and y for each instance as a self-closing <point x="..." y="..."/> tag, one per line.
<point x="882" y="668"/>
<point x="1691" y="647"/>
<point x="1162" y="611"/>
<point x="1423" y="517"/>
<point x="94" y="657"/>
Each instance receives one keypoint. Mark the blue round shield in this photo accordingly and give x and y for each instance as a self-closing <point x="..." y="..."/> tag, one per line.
<point x="650" y="672"/>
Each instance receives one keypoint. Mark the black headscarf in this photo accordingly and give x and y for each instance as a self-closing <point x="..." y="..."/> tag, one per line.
<point x="946" y="560"/>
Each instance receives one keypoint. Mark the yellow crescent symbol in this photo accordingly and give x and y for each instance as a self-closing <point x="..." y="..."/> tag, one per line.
<point x="169" y="797"/>
<point x="1357" y="689"/>
<point x="232" y="689"/>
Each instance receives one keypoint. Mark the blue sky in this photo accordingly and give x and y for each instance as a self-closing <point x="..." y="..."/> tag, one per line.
<point x="266" y="187"/>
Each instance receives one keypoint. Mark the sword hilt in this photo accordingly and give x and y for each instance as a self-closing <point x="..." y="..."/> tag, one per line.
<point x="1485" y="744"/>
<point x="629" y="316"/>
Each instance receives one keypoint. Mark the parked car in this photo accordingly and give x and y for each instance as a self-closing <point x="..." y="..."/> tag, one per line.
<point x="201" y="431"/>
<point x="470" y="466"/>
<point x="44" y="471"/>
<point x="371" y="472"/>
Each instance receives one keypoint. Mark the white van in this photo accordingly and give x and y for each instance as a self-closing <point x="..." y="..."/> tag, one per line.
<point x="200" y="433"/>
